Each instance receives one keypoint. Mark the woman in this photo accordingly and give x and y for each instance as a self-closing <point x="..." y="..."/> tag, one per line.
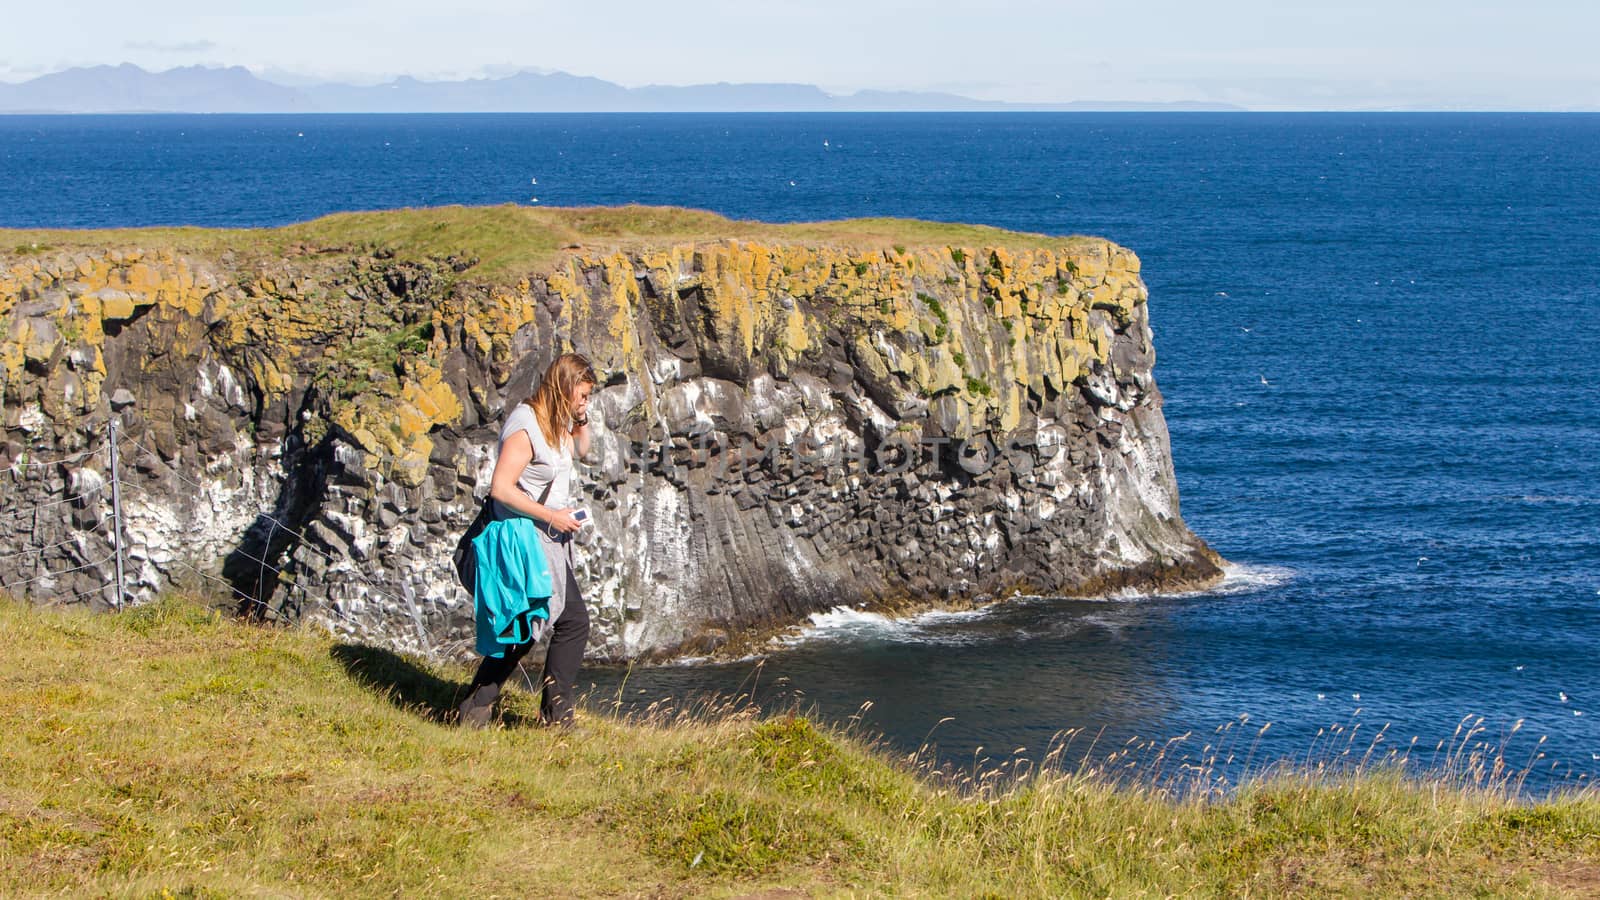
<point x="532" y="511"/>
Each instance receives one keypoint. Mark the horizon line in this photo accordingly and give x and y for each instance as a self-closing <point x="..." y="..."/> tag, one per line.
<point x="1239" y="111"/>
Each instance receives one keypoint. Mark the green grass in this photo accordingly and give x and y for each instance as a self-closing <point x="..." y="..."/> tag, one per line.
<point x="507" y="241"/>
<point x="350" y="369"/>
<point x="935" y="307"/>
<point x="170" y="749"/>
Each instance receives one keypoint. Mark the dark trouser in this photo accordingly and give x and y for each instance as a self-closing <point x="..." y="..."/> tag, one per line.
<point x="567" y="639"/>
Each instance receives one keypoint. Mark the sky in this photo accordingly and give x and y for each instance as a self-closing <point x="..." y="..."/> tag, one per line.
<point x="1262" y="54"/>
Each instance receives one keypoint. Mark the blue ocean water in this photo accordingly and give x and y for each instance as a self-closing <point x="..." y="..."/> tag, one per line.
<point x="1378" y="336"/>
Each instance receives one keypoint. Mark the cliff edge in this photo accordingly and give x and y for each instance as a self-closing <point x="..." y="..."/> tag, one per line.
<point x="875" y="412"/>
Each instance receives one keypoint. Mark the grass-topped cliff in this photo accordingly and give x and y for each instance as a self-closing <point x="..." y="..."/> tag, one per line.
<point x="308" y="409"/>
<point x="512" y="241"/>
<point x="169" y="749"/>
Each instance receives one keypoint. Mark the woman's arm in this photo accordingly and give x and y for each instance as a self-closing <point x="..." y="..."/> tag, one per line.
<point x="516" y="451"/>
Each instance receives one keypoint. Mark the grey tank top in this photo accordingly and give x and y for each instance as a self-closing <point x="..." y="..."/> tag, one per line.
<point x="548" y="467"/>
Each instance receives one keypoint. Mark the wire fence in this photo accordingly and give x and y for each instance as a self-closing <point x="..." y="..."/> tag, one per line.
<point x="83" y="544"/>
<point x="74" y="533"/>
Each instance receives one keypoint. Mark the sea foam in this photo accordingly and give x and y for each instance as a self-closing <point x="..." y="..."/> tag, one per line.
<point x="844" y="623"/>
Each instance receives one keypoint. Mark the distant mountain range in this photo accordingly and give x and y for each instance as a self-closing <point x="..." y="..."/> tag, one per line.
<point x="201" y="89"/>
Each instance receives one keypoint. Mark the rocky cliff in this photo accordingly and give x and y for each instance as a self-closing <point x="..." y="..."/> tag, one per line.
<point x="792" y="418"/>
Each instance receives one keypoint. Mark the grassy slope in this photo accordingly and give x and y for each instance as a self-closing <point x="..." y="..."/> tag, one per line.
<point x="167" y="748"/>
<point x="511" y="240"/>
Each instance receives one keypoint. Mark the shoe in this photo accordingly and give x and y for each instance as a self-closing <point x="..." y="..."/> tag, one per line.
<point x="478" y="708"/>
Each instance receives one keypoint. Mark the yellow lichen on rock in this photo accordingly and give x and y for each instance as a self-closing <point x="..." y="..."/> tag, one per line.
<point x="756" y="299"/>
<point x="12" y="359"/>
<point x="489" y="325"/>
<point x="624" y="297"/>
<point x="796" y="336"/>
<point x="95" y="289"/>
<point x="272" y="379"/>
<point x="983" y="326"/>
<point x="727" y="278"/>
<point x="431" y="396"/>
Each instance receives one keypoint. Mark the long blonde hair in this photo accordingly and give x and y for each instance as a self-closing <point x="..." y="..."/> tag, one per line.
<point x="552" y="401"/>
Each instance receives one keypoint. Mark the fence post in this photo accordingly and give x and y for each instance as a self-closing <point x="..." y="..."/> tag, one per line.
<point x="116" y="514"/>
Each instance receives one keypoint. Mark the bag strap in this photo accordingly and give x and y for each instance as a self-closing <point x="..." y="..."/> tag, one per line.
<point x="543" y="495"/>
<point x="487" y="512"/>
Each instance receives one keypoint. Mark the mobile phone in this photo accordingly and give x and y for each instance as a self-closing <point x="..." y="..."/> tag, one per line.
<point x="582" y="515"/>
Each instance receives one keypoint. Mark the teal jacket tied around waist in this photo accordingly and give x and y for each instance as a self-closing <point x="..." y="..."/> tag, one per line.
<point x="512" y="594"/>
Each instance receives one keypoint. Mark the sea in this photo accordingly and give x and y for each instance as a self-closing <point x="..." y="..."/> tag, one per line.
<point x="1377" y="334"/>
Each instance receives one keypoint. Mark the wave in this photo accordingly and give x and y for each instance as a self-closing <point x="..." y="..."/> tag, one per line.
<point x="695" y="662"/>
<point x="847" y="624"/>
<point x="844" y="623"/>
<point x="1562" y="499"/>
<point x="1237" y="578"/>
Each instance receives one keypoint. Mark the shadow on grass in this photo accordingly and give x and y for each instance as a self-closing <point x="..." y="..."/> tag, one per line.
<point x="411" y="687"/>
